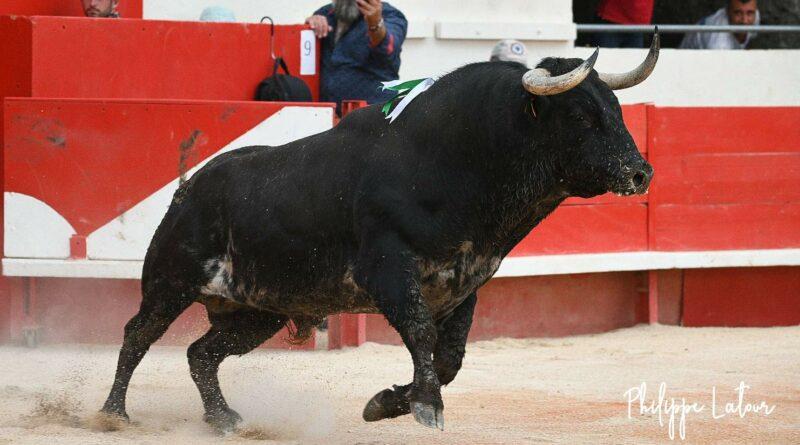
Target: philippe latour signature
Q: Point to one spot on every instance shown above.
(677, 409)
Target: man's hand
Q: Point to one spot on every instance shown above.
(372, 10)
(319, 23)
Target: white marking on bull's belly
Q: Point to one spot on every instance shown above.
(219, 272)
(353, 296)
(446, 274)
(479, 267)
(441, 290)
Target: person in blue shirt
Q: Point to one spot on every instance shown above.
(361, 44)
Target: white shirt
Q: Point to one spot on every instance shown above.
(716, 40)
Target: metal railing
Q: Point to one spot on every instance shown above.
(674, 29)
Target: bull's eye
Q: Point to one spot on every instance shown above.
(582, 121)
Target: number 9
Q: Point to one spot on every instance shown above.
(307, 48)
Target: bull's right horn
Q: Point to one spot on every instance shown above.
(538, 81)
(618, 81)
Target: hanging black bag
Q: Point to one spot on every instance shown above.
(281, 87)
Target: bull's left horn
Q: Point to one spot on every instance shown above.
(539, 81)
(618, 81)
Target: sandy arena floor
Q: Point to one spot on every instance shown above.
(567, 390)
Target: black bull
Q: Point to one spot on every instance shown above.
(407, 219)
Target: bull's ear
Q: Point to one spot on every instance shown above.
(535, 106)
(530, 107)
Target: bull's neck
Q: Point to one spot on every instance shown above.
(520, 185)
(522, 200)
(510, 177)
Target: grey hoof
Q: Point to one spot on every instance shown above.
(428, 415)
(118, 414)
(223, 421)
(386, 405)
(374, 410)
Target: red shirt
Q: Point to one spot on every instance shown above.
(626, 12)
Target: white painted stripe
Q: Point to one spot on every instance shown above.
(630, 261)
(126, 237)
(498, 30)
(34, 229)
(511, 267)
(28, 267)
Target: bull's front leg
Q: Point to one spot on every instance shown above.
(451, 341)
(386, 269)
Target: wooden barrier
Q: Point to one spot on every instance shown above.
(65, 57)
(129, 9)
(729, 178)
(103, 172)
(725, 194)
(57, 57)
(726, 178)
(508, 306)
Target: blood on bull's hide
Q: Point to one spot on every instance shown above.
(407, 219)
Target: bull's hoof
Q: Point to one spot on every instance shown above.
(387, 404)
(108, 420)
(224, 420)
(114, 412)
(428, 415)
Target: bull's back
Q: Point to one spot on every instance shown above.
(278, 218)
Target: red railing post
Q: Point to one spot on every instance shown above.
(346, 330)
(652, 296)
(352, 105)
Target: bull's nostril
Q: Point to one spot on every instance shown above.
(638, 179)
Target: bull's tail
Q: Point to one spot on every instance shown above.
(301, 328)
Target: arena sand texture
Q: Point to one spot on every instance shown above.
(564, 390)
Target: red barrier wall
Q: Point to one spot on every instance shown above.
(89, 58)
(726, 178)
(59, 150)
(132, 147)
(131, 9)
(517, 307)
(5, 310)
(546, 306)
(757, 296)
(96, 310)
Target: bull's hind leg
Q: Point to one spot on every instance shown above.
(154, 317)
(451, 340)
(237, 332)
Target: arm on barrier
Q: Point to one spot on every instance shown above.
(396, 25)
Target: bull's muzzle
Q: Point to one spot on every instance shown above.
(635, 181)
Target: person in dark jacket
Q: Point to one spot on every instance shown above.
(361, 44)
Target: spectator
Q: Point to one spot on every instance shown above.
(738, 12)
(217, 14)
(623, 12)
(100, 8)
(510, 51)
(361, 43)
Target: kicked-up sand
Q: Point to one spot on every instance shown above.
(719, 385)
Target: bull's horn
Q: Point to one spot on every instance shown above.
(618, 81)
(539, 81)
